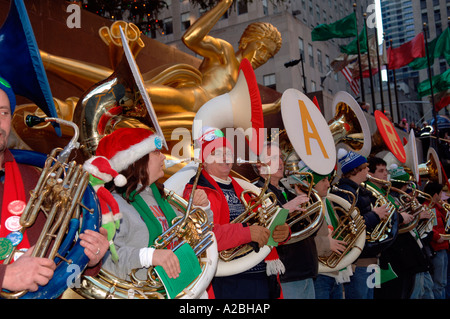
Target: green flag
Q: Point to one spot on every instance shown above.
(441, 83)
(352, 47)
(439, 46)
(344, 28)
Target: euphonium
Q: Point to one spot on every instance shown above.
(259, 210)
(425, 225)
(408, 204)
(382, 230)
(351, 229)
(63, 194)
(311, 218)
(193, 228)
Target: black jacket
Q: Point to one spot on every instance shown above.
(300, 259)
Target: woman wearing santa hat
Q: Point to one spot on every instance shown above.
(135, 154)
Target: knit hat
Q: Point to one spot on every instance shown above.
(100, 167)
(5, 86)
(125, 146)
(211, 139)
(349, 160)
(398, 173)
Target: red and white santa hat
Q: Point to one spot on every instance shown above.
(125, 146)
(99, 167)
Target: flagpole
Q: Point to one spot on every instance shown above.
(430, 77)
(379, 70)
(372, 91)
(395, 91)
(388, 81)
(361, 80)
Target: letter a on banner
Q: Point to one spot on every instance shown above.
(308, 131)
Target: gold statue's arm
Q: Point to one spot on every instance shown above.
(196, 37)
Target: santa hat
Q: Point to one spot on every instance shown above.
(211, 139)
(125, 146)
(350, 160)
(6, 87)
(99, 167)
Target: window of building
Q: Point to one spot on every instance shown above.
(185, 21)
(301, 47)
(313, 86)
(319, 60)
(265, 7)
(168, 26)
(311, 55)
(269, 80)
(242, 7)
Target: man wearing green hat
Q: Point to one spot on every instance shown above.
(327, 285)
(404, 255)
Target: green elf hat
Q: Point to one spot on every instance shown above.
(398, 174)
(304, 178)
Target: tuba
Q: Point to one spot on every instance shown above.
(425, 225)
(351, 229)
(70, 204)
(309, 220)
(387, 228)
(260, 208)
(192, 228)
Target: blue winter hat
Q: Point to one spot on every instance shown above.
(5, 86)
(350, 160)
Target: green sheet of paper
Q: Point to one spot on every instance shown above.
(278, 219)
(190, 269)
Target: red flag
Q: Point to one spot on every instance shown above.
(406, 53)
(316, 102)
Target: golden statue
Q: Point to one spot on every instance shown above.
(177, 92)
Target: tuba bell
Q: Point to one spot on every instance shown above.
(349, 124)
(70, 204)
(431, 169)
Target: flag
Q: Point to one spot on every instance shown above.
(441, 100)
(440, 82)
(422, 63)
(438, 47)
(406, 53)
(352, 47)
(354, 85)
(343, 28)
(354, 66)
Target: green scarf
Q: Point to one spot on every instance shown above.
(330, 212)
(383, 192)
(153, 225)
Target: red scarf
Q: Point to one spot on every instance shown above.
(13, 190)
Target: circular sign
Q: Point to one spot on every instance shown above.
(308, 132)
(390, 136)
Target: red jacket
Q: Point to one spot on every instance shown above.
(439, 228)
(227, 235)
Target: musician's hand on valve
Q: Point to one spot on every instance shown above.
(382, 211)
(200, 198)
(168, 260)
(425, 214)
(295, 203)
(28, 273)
(259, 234)
(407, 218)
(337, 246)
(280, 233)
